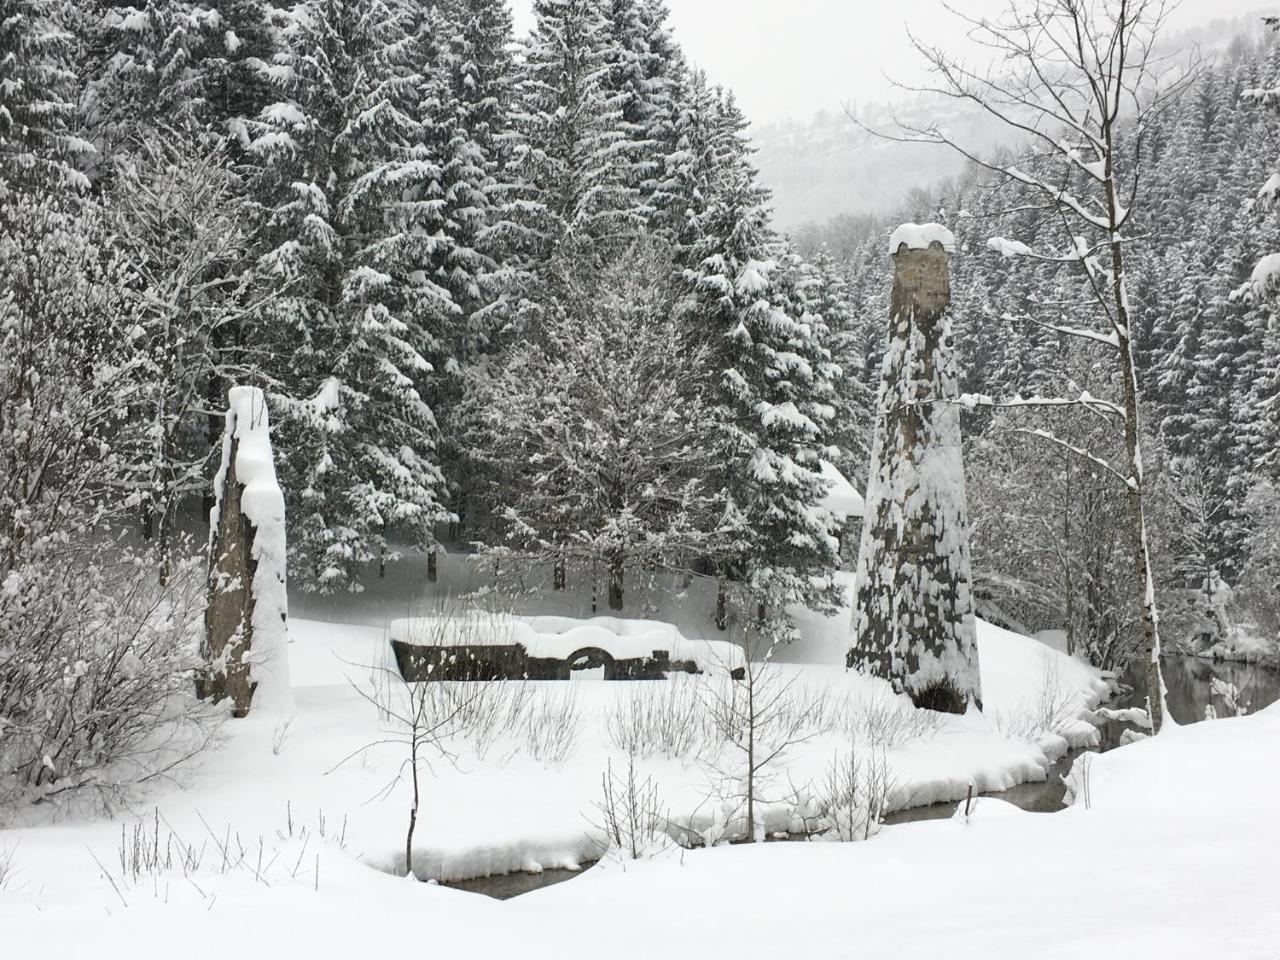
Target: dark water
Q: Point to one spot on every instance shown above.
(1189, 681)
(509, 885)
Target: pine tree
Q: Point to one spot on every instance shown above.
(39, 148)
(140, 73)
(852, 419)
(353, 228)
(572, 127)
(773, 381)
(236, 50)
(643, 67)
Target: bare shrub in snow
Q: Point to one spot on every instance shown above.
(632, 819)
(94, 657)
(857, 793)
(1046, 714)
(8, 867)
(553, 725)
(889, 722)
(485, 713)
(668, 719)
(150, 851)
(413, 721)
(759, 721)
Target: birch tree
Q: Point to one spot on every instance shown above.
(1081, 83)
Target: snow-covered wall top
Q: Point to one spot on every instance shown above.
(919, 236)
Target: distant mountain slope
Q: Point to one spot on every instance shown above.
(826, 166)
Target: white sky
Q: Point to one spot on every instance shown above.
(791, 58)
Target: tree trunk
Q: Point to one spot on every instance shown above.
(617, 570)
(1133, 450)
(433, 571)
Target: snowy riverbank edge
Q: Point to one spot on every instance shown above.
(1134, 868)
(503, 811)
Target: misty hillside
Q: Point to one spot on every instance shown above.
(825, 167)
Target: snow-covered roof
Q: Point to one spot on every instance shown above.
(918, 236)
(842, 497)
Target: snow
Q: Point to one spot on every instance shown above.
(842, 499)
(1008, 248)
(1266, 274)
(1136, 867)
(920, 236)
(561, 637)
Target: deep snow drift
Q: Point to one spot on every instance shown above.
(1172, 856)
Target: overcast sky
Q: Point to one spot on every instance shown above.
(791, 58)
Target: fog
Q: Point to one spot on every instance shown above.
(791, 58)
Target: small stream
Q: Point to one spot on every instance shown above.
(1189, 682)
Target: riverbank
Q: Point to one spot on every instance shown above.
(1165, 828)
(522, 795)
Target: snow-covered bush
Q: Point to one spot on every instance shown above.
(95, 654)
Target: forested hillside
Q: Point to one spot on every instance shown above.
(524, 295)
(1048, 541)
(521, 293)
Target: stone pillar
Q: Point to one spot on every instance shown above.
(247, 607)
(913, 620)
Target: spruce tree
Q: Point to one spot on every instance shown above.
(39, 148)
(773, 384)
(572, 126)
(346, 163)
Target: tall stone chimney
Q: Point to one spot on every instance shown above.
(913, 620)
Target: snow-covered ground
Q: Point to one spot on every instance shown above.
(1168, 852)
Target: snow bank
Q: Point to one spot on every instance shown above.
(1139, 868)
(842, 499)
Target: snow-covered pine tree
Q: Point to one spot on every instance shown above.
(644, 63)
(476, 141)
(685, 183)
(772, 381)
(913, 621)
(346, 163)
(139, 75)
(572, 126)
(39, 148)
(232, 65)
(851, 424)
